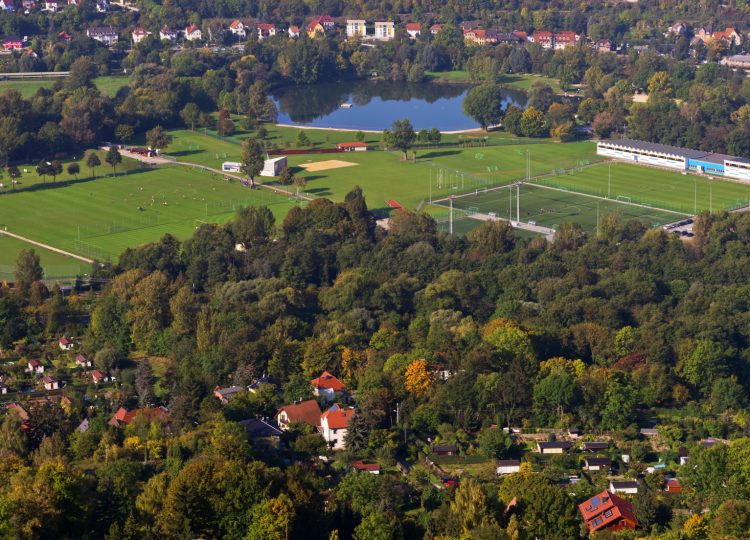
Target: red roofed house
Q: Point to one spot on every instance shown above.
(293, 31)
(334, 423)
(35, 366)
(266, 30)
(414, 29)
(124, 416)
(566, 39)
(365, 466)
(307, 412)
(544, 38)
(50, 383)
(673, 486)
(327, 385)
(13, 43)
(139, 34)
(193, 33)
(608, 511)
(352, 146)
(238, 28)
(22, 414)
(523, 36)
(99, 377)
(65, 344)
(728, 36)
(82, 361)
(435, 28)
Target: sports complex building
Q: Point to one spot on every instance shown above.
(673, 157)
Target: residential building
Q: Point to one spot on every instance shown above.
(741, 61)
(575, 433)
(167, 34)
(414, 30)
(479, 36)
(3, 389)
(554, 447)
(99, 377)
(629, 487)
(13, 43)
(435, 28)
(265, 30)
(82, 361)
(667, 155)
(293, 31)
(50, 383)
(307, 412)
(7, 5)
(103, 34)
(565, 39)
(237, 28)
(509, 38)
(508, 466)
(523, 36)
(594, 446)
(677, 28)
(35, 366)
(603, 46)
(607, 511)
(139, 34)
(225, 394)
(334, 423)
(19, 410)
(673, 486)
(356, 28)
(327, 385)
(124, 416)
(193, 33)
(262, 429)
(728, 36)
(65, 344)
(102, 6)
(64, 36)
(319, 26)
(682, 455)
(544, 38)
(273, 166)
(365, 466)
(597, 464)
(53, 5)
(444, 449)
(384, 30)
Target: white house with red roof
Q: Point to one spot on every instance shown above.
(82, 361)
(139, 34)
(544, 38)
(334, 424)
(50, 383)
(306, 412)
(293, 31)
(167, 34)
(414, 29)
(237, 27)
(435, 28)
(65, 344)
(565, 39)
(99, 377)
(193, 33)
(327, 385)
(265, 30)
(35, 366)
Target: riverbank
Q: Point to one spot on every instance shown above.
(350, 130)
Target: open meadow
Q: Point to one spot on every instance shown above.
(108, 84)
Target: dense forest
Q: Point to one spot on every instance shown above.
(605, 333)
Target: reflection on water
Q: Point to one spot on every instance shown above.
(377, 104)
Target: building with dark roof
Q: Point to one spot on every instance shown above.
(595, 446)
(555, 447)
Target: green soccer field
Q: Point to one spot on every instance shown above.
(100, 218)
(551, 207)
(55, 265)
(657, 187)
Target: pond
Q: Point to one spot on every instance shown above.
(374, 105)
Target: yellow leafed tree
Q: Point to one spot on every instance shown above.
(417, 379)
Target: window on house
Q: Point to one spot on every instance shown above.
(608, 514)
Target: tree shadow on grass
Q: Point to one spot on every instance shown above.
(185, 153)
(321, 192)
(74, 181)
(441, 153)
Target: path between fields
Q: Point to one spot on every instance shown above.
(165, 161)
(47, 246)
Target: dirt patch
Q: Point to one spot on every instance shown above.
(326, 165)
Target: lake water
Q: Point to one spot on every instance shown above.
(376, 104)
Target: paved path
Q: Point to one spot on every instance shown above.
(546, 231)
(46, 246)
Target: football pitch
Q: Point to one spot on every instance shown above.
(100, 218)
(549, 207)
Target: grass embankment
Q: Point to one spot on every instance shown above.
(517, 81)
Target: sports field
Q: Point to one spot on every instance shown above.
(100, 218)
(551, 207)
(108, 85)
(55, 265)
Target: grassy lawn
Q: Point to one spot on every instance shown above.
(519, 81)
(108, 85)
(113, 213)
(55, 265)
